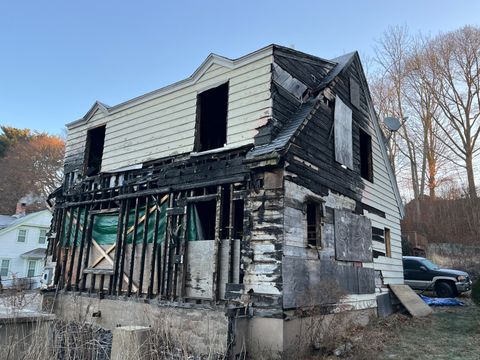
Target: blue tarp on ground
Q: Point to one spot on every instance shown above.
(441, 301)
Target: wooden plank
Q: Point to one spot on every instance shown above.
(201, 260)
(412, 302)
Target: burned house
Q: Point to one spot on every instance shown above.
(246, 186)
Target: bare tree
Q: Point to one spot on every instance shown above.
(453, 61)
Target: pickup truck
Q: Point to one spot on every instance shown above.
(421, 274)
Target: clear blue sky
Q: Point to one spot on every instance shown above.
(58, 57)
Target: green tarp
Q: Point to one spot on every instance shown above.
(105, 227)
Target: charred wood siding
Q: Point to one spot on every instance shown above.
(320, 172)
(262, 252)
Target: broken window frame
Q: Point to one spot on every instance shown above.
(200, 143)
(88, 155)
(315, 241)
(366, 155)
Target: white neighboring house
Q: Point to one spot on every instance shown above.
(23, 243)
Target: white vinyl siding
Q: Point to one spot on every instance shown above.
(164, 125)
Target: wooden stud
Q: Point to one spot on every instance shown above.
(65, 251)
(167, 251)
(124, 246)
(82, 244)
(144, 247)
(118, 247)
(73, 248)
(87, 250)
(134, 245)
(218, 232)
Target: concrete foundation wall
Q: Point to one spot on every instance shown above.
(200, 330)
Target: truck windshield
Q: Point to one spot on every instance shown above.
(430, 265)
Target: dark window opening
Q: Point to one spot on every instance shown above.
(211, 127)
(206, 213)
(366, 161)
(314, 219)
(377, 254)
(94, 150)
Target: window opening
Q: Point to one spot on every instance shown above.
(5, 267)
(94, 150)
(211, 127)
(366, 162)
(314, 217)
(32, 264)
(22, 235)
(42, 238)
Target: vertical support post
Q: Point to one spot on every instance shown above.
(153, 259)
(231, 232)
(58, 237)
(118, 249)
(218, 232)
(82, 245)
(121, 270)
(87, 251)
(134, 245)
(168, 250)
(65, 251)
(73, 248)
(144, 246)
(183, 254)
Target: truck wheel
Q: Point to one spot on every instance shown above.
(444, 289)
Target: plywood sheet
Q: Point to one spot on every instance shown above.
(343, 133)
(353, 237)
(201, 264)
(412, 302)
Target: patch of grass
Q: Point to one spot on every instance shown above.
(450, 334)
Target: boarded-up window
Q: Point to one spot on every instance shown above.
(366, 161)
(354, 93)
(388, 243)
(94, 150)
(211, 126)
(353, 237)
(343, 133)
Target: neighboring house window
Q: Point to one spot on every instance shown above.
(4, 267)
(314, 224)
(388, 243)
(42, 238)
(366, 160)
(32, 266)
(22, 235)
(211, 124)
(94, 150)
